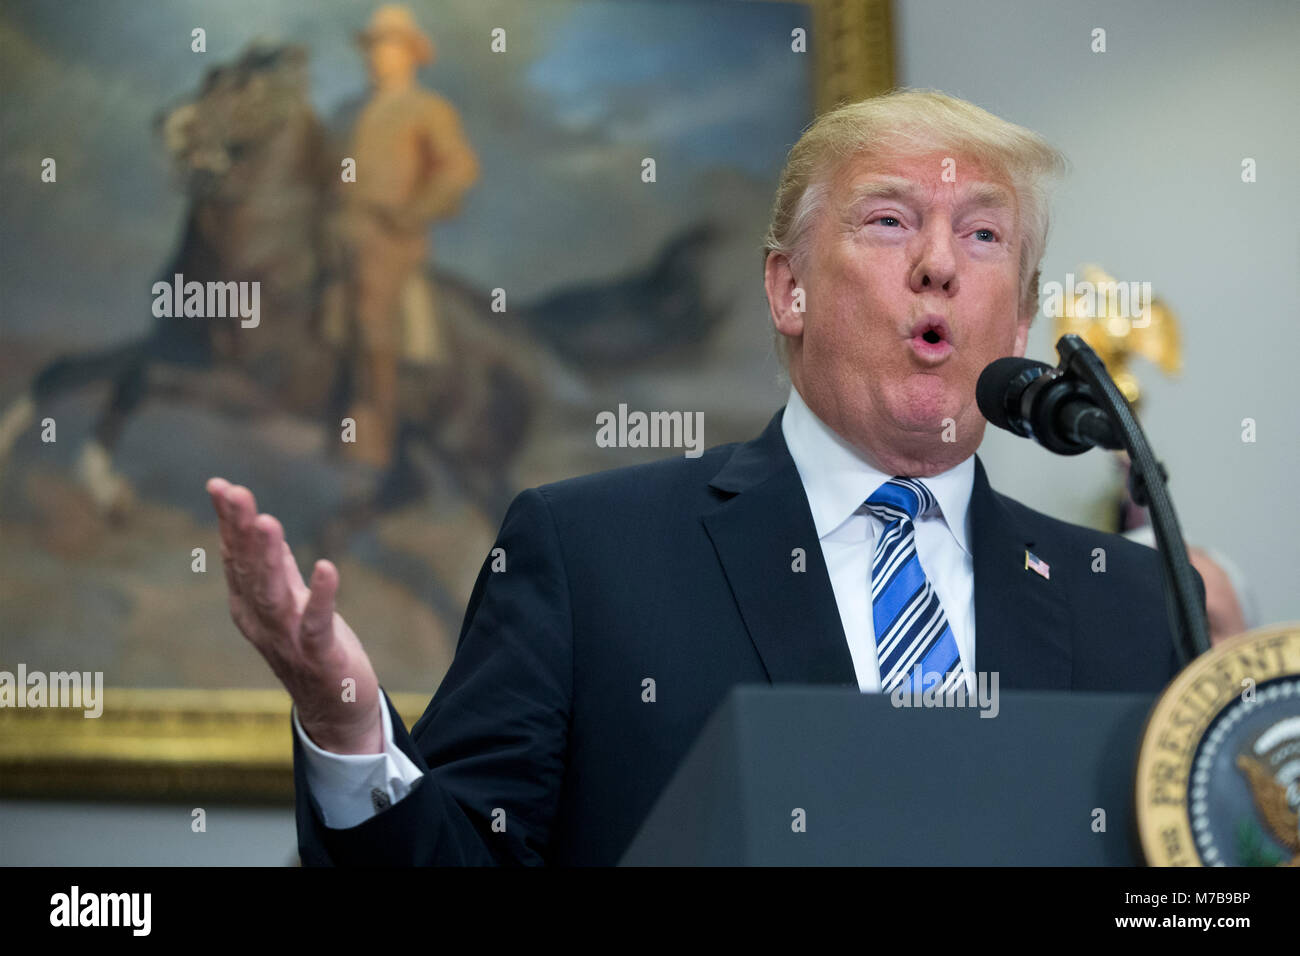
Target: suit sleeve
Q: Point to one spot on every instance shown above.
(493, 742)
(351, 788)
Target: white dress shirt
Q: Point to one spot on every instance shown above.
(351, 788)
(345, 785)
(837, 482)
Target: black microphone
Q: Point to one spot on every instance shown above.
(1075, 407)
(1034, 400)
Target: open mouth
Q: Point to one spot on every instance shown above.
(930, 338)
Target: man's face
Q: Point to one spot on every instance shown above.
(911, 288)
(389, 57)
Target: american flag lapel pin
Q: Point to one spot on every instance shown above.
(1034, 563)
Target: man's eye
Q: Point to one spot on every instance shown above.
(887, 220)
(985, 235)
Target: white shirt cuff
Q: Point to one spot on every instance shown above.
(351, 788)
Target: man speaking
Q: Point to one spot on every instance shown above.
(856, 541)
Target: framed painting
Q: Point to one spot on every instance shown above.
(195, 285)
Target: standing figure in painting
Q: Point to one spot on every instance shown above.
(413, 166)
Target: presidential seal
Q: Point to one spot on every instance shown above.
(1218, 774)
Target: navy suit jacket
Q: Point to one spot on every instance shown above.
(681, 572)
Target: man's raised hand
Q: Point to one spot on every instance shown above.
(309, 646)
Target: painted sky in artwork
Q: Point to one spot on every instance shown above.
(561, 123)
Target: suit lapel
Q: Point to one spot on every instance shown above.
(1022, 620)
(791, 615)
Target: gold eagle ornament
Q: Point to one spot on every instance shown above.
(1119, 320)
(1270, 800)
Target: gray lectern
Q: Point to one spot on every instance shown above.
(875, 784)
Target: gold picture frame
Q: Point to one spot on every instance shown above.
(853, 50)
(162, 745)
(236, 745)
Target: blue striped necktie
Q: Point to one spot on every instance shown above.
(909, 622)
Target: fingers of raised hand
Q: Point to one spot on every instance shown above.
(217, 488)
(245, 550)
(316, 628)
(253, 553)
(296, 583)
(270, 577)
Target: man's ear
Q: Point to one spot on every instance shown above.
(1028, 309)
(784, 297)
(1022, 334)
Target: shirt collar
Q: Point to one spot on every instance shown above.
(837, 479)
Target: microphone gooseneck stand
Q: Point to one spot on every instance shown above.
(1147, 486)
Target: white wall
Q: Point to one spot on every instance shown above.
(1155, 129)
(58, 833)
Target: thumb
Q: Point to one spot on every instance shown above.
(316, 628)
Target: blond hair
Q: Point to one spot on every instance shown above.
(914, 122)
